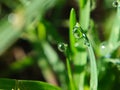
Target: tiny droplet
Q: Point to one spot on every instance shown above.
(87, 43)
(86, 40)
(77, 32)
(62, 47)
(115, 3)
(103, 48)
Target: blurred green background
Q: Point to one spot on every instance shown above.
(31, 29)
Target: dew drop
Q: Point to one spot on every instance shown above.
(103, 48)
(87, 43)
(62, 47)
(77, 32)
(86, 40)
(115, 3)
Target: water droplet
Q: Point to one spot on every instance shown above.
(87, 43)
(62, 47)
(77, 32)
(116, 3)
(103, 48)
(86, 40)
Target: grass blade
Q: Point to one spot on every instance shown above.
(93, 69)
(12, 84)
(72, 24)
(84, 13)
(115, 33)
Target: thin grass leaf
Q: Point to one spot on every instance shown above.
(115, 33)
(56, 64)
(11, 84)
(93, 69)
(72, 84)
(84, 13)
(84, 17)
(72, 24)
(72, 87)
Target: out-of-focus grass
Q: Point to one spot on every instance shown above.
(21, 16)
(28, 20)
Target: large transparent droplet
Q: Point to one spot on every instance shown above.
(116, 3)
(103, 46)
(62, 47)
(104, 49)
(77, 32)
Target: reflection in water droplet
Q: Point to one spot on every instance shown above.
(116, 3)
(77, 32)
(62, 47)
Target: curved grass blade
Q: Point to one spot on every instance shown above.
(12, 84)
(93, 69)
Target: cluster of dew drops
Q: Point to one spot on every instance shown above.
(77, 33)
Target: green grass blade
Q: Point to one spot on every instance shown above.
(55, 62)
(11, 84)
(93, 69)
(72, 87)
(72, 24)
(84, 13)
(35, 85)
(115, 33)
